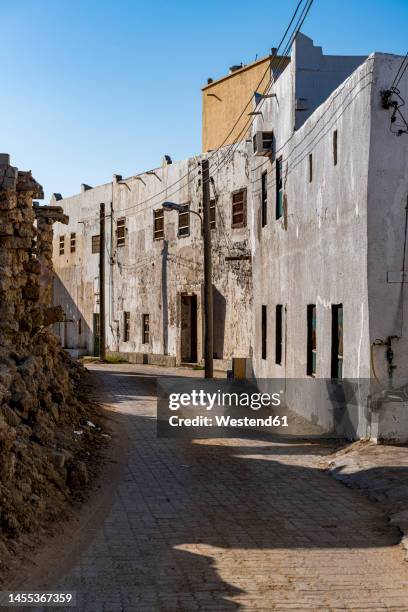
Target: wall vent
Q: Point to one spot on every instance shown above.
(263, 144)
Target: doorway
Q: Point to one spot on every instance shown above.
(96, 334)
(189, 329)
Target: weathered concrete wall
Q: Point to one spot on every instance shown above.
(387, 209)
(317, 75)
(148, 276)
(338, 236)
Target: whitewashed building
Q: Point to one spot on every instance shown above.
(309, 242)
(329, 237)
(154, 265)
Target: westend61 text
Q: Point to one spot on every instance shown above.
(228, 421)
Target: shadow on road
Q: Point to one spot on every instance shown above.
(188, 514)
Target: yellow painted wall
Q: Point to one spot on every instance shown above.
(224, 100)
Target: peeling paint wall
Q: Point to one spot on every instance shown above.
(148, 276)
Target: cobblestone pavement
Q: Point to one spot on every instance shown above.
(230, 524)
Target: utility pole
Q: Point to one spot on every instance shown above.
(208, 290)
(102, 328)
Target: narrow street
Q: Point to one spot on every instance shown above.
(230, 524)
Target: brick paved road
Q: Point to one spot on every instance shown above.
(231, 525)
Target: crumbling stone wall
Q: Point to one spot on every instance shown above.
(38, 382)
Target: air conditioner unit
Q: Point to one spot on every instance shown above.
(263, 144)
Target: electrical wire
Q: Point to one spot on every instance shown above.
(273, 56)
(234, 125)
(248, 124)
(235, 145)
(404, 61)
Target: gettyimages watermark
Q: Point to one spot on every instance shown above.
(232, 408)
(213, 401)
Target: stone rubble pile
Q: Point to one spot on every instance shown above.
(39, 409)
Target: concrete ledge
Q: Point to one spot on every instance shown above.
(145, 358)
(221, 365)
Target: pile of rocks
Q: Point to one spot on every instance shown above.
(41, 459)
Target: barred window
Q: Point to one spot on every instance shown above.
(158, 224)
(184, 221)
(61, 245)
(239, 208)
(121, 232)
(145, 328)
(96, 243)
(73, 243)
(126, 326)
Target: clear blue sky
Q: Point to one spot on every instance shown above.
(93, 87)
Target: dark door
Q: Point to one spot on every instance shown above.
(96, 334)
(189, 328)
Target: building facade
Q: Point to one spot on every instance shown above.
(309, 243)
(224, 99)
(154, 265)
(330, 206)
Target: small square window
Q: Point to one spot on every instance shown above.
(158, 224)
(184, 221)
(96, 243)
(212, 214)
(145, 328)
(73, 242)
(121, 232)
(61, 245)
(126, 326)
(239, 209)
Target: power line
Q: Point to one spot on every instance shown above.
(224, 159)
(304, 143)
(306, 8)
(404, 61)
(273, 56)
(249, 122)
